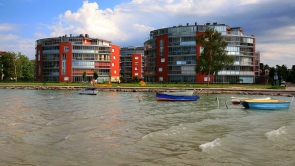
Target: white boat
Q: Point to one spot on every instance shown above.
(180, 93)
(88, 91)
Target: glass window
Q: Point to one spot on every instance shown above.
(63, 56)
(66, 48)
(160, 69)
(162, 59)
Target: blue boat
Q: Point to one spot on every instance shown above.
(88, 91)
(166, 97)
(266, 104)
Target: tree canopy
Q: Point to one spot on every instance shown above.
(95, 75)
(213, 56)
(16, 67)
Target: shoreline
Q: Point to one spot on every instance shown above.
(272, 92)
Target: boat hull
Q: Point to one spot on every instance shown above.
(266, 104)
(270, 106)
(165, 97)
(89, 91)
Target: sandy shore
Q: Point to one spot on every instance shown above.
(272, 92)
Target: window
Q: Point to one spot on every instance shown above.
(162, 59)
(160, 78)
(160, 69)
(113, 64)
(136, 63)
(63, 71)
(114, 57)
(135, 68)
(136, 57)
(64, 56)
(113, 50)
(38, 55)
(115, 71)
(67, 49)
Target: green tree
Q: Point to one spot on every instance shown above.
(135, 79)
(95, 75)
(214, 56)
(282, 72)
(26, 68)
(84, 76)
(8, 65)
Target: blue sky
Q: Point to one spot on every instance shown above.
(128, 22)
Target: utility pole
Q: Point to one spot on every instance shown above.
(15, 70)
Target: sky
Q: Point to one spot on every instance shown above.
(129, 22)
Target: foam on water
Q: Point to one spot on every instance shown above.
(275, 133)
(67, 136)
(210, 145)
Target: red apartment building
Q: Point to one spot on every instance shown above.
(66, 58)
(132, 62)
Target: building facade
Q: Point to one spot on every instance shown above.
(131, 62)
(170, 55)
(66, 58)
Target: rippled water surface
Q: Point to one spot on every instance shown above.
(39, 127)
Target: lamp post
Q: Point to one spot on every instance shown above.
(15, 70)
(276, 78)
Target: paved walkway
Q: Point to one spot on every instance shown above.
(290, 86)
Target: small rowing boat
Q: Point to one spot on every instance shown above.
(266, 104)
(236, 100)
(165, 97)
(88, 91)
(180, 93)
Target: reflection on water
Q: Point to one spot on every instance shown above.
(126, 128)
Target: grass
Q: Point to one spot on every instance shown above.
(156, 85)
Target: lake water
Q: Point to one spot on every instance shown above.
(47, 127)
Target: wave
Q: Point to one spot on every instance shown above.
(276, 133)
(210, 145)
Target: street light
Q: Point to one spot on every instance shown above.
(15, 70)
(276, 78)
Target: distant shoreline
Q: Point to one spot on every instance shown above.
(272, 92)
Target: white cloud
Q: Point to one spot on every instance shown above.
(248, 2)
(8, 27)
(142, 28)
(127, 21)
(16, 44)
(40, 35)
(8, 38)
